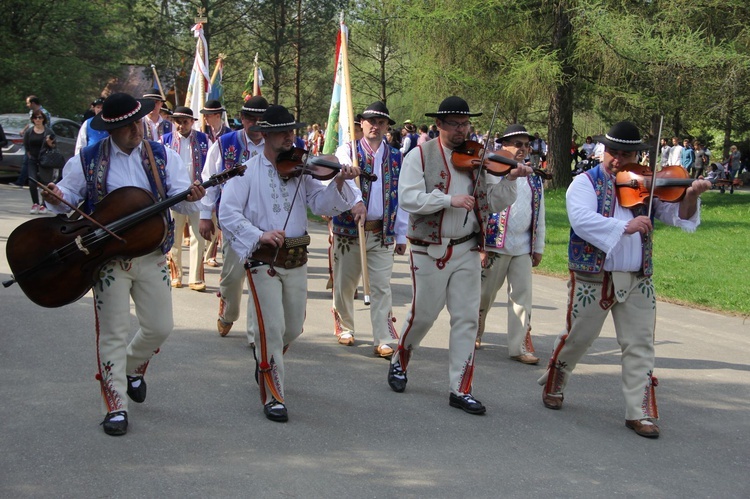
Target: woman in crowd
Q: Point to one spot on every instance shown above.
(35, 139)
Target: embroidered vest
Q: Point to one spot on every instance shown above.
(95, 164)
(233, 153)
(198, 150)
(584, 256)
(94, 136)
(427, 229)
(413, 138)
(344, 225)
(497, 223)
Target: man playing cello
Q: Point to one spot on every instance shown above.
(125, 159)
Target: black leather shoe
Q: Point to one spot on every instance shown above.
(276, 411)
(396, 377)
(117, 427)
(467, 402)
(136, 394)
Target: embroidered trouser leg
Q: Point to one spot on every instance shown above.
(197, 247)
(146, 281)
(347, 270)
(230, 288)
(456, 285)
(278, 304)
(517, 269)
(634, 319)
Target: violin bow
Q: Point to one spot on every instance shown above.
(653, 174)
(77, 210)
(484, 156)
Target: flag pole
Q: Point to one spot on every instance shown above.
(213, 82)
(158, 82)
(256, 83)
(355, 161)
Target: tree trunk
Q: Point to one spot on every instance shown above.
(560, 118)
(298, 65)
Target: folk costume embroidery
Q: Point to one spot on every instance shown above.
(95, 164)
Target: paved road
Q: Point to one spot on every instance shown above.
(202, 433)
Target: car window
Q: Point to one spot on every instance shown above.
(65, 129)
(13, 123)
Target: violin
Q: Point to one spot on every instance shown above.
(57, 260)
(296, 161)
(634, 183)
(499, 163)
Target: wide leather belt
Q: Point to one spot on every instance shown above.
(292, 255)
(452, 242)
(374, 225)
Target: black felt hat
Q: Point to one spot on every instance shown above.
(183, 112)
(453, 105)
(623, 136)
(277, 119)
(119, 110)
(212, 106)
(516, 130)
(154, 94)
(255, 106)
(377, 110)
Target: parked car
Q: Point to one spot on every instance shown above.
(10, 165)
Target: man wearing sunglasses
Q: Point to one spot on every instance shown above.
(609, 257)
(514, 243)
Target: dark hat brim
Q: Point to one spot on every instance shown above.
(213, 111)
(99, 123)
(442, 115)
(277, 128)
(517, 134)
(366, 115)
(618, 145)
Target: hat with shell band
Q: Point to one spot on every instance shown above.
(516, 130)
(183, 112)
(154, 94)
(277, 119)
(452, 105)
(119, 110)
(377, 110)
(255, 106)
(623, 136)
(212, 106)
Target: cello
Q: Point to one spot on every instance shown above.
(57, 260)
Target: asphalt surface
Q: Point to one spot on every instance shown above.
(202, 433)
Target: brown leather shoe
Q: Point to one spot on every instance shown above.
(384, 351)
(553, 401)
(198, 286)
(347, 341)
(223, 327)
(526, 358)
(643, 427)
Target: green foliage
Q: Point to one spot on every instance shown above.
(62, 51)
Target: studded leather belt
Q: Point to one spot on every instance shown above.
(292, 255)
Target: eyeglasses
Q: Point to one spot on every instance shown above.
(520, 144)
(454, 124)
(37, 118)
